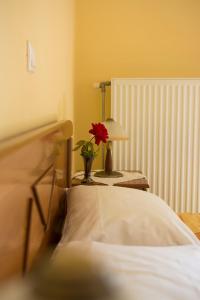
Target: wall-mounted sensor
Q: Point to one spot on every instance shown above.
(31, 61)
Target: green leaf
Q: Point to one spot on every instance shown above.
(76, 148)
(79, 144)
(87, 154)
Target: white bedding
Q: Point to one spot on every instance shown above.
(150, 253)
(157, 273)
(123, 216)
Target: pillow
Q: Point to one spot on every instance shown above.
(123, 216)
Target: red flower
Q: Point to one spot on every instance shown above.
(100, 133)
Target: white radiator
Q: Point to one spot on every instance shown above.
(162, 120)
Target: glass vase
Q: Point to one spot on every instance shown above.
(87, 169)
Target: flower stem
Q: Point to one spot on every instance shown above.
(91, 139)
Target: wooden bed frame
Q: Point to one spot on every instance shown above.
(35, 169)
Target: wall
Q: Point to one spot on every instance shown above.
(31, 99)
(131, 38)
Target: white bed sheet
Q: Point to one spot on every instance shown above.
(157, 273)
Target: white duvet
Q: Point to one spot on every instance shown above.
(157, 273)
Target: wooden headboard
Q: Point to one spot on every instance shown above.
(35, 169)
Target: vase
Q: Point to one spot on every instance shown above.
(87, 169)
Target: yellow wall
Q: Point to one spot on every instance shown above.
(28, 100)
(131, 38)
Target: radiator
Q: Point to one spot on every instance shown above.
(162, 120)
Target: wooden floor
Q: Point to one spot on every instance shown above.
(192, 220)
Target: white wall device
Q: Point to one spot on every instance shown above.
(31, 60)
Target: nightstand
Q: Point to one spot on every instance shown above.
(134, 180)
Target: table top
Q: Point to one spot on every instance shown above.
(134, 179)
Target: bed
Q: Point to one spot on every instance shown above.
(138, 244)
(149, 251)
